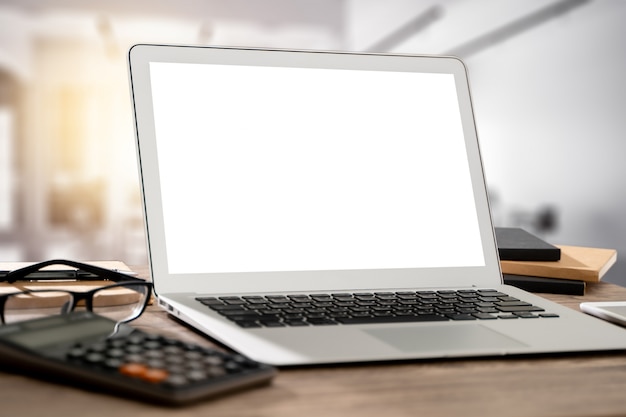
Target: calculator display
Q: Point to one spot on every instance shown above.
(35, 337)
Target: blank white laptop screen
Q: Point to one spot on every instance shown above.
(293, 169)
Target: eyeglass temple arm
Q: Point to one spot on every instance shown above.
(21, 273)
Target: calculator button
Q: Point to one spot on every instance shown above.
(193, 355)
(242, 360)
(213, 360)
(154, 354)
(98, 347)
(137, 370)
(172, 350)
(215, 371)
(154, 375)
(113, 363)
(196, 375)
(95, 358)
(135, 358)
(176, 380)
(115, 353)
(152, 336)
(134, 349)
(76, 353)
(232, 366)
(133, 369)
(193, 365)
(176, 369)
(175, 360)
(157, 363)
(116, 343)
(152, 344)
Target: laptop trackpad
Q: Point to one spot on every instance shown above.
(424, 338)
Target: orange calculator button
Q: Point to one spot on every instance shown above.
(155, 375)
(135, 370)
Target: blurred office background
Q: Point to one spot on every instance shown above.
(548, 81)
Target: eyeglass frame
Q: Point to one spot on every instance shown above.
(99, 272)
(120, 279)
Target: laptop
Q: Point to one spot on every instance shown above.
(307, 207)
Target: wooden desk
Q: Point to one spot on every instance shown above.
(568, 385)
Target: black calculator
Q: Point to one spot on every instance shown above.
(88, 349)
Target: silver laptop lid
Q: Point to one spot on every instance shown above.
(274, 170)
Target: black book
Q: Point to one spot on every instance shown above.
(516, 244)
(546, 285)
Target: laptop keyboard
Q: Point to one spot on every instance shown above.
(370, 308)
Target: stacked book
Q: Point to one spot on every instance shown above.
(532, 264)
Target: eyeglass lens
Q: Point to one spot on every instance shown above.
(33, 305)
(118, 303)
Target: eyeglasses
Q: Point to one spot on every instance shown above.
(121, 302)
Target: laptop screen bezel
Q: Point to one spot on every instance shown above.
(140, 57)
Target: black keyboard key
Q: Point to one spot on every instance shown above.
(235, 302)
(278, 305)
(293, 310)
(344, 303)
(210, 301)
(507, 298)
(322, 304)
(526, 315)
(461, 317)
(257, 301)
(321, 321)
(361, 314)
(304, 305)
(404, 313)
(485, 316)
(467, 310)
(515, 309)
(316, 316)
(239, 312)
(272, 323)
(512, 303)
(248, 324)
(427, 295)
(277, 298)
(492, 293)
(296, 323)
(299, 298)
(484, 304)
(224, 307)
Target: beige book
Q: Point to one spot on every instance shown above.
(579, 263)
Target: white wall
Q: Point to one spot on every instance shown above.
(550, 106)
